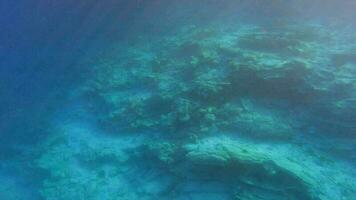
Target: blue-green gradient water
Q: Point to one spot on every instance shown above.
(178, 100)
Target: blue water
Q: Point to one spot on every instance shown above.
(150, 100)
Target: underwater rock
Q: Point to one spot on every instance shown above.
(263, 124)
(82, 165)
(185, 85)
(163, 151)
(265, 172)
(219, 166)
(184, 93)
(270, 42)
(280, 79)
(343, 58)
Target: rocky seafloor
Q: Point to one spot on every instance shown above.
(233, 112)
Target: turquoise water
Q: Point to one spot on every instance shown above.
(178, 100)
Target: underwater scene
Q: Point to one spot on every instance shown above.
(178, 100)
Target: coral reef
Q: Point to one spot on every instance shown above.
(216, 113)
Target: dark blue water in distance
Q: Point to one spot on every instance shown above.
(178, 100)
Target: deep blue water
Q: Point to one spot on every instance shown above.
(50, 50)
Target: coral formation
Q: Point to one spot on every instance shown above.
(212, 113)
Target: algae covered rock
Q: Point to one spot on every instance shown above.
(163, 151)
(272, 171)
(209, 72)
(265, 124)
(81, 165)
(215, 113)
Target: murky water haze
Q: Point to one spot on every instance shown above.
(50, 49)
